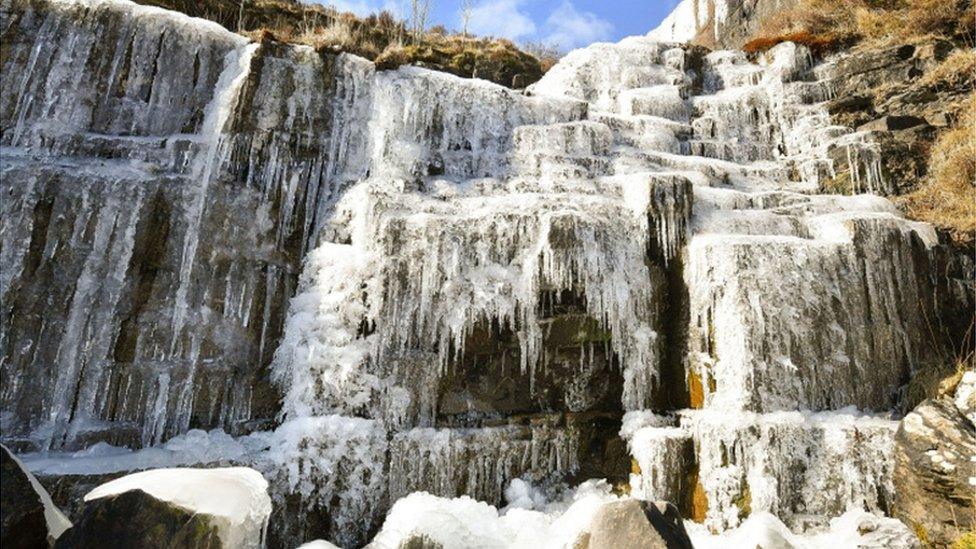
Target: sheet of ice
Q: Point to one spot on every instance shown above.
(462, 523)
(195, 447)
(237, 498)
(852, 529)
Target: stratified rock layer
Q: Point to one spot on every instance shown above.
(934, 467)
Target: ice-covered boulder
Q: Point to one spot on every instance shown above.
(212, 508)
(28, 517)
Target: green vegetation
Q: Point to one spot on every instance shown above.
(380, 37)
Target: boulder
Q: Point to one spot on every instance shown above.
(635, 524)
(28, 518)
(136, 519)
(200, 508)
(891, 123)
(934, 448)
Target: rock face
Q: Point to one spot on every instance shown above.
(28, 517)
(934, 468)
(492, 284)
(720, 24)
(635, 524)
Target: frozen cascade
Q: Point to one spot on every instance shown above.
(403, 281)
(123, 193)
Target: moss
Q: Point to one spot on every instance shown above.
(744, 502)
(839, 184)
(965, 541)
(921, 533)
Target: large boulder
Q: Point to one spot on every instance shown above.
(136, 519)
(635, 524)
(934, 450)
(28, 517)
(200, 508)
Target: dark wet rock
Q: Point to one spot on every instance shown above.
(28, 517)
(22, 523)
(136, 519)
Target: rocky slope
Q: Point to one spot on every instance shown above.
(383, 282)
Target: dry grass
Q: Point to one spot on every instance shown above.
(827, 25)
(956, 72)
(947, 198)
(819, 44)
(379, 37)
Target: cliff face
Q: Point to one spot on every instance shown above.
(392, 281)
(161, 184)
(720, 24)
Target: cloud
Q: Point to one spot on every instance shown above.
(359, 7)
(501, 18)
(568, 28)
(365, 7)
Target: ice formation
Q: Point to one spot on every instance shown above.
(452, 285)
(236, 498)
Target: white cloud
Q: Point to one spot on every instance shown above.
(568, 28)
(501, 18)
(365, 7)
(358, 7)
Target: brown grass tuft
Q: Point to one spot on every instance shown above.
(826, 25)
(947, 198)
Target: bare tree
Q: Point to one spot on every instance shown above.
(240, 17)
(419, 12)
(467, 7)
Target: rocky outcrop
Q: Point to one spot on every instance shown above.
(635, 524)
(883, 92)
(934, 468)
(718, 24)
(28, 517)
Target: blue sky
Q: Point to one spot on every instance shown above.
(568, 23)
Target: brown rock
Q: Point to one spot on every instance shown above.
(635, 524)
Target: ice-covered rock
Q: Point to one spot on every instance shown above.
(450, 285)
(192, 507)
(29, 518)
